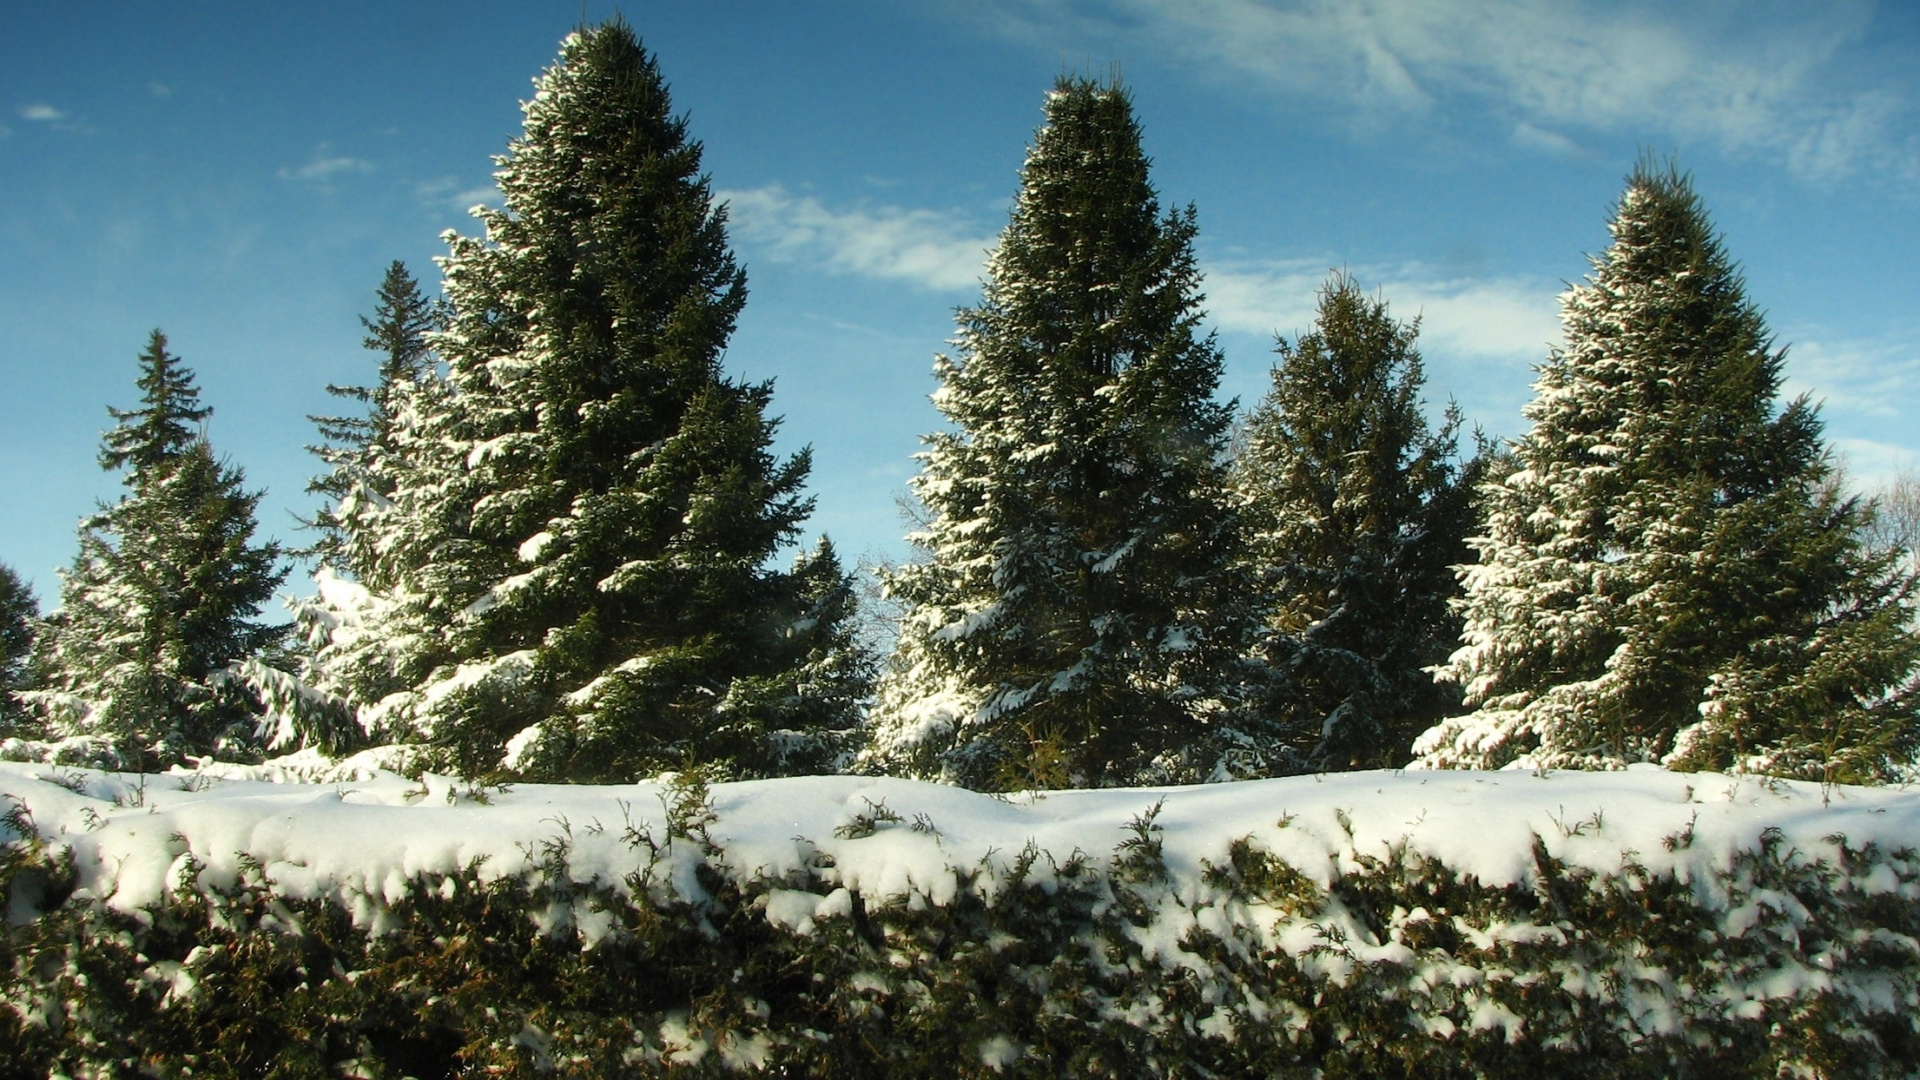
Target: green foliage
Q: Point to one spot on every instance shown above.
(1081, 593)
(1668, 573)
(377, 632)
(149, 439)
(569, 577)
(1776, 963)
(1357, 515)
(19, 626)
(619, 499)
(165, 593)
(366, 454)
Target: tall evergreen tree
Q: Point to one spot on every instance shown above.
(363, 452)
(164, 596)
(1078, 617)
(19, 626)
(1668, 575)
(376, 627)
(1357, 513)
(587, 545)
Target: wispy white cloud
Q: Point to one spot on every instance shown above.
(1501, 319)
(941, 251)
(1506, 319)
(159, 89)
(1263, 297)
(1539, 138)
(1754, 78)
(324, 167)
(449, 192)
(1871, 464)
(1877, 380)
(42, 113)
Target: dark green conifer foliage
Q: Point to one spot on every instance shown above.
(157, 433)
(19, 626)
(605, 562)
(165, 593)
(375, 629)
(360, 451)
(1357, 513)
(1668, 575)
(1079, 618)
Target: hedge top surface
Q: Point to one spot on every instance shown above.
(360, 835)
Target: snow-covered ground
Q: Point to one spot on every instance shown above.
(361, 835)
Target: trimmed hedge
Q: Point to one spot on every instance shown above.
(1785, 964)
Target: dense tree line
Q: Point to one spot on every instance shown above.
(549, 527)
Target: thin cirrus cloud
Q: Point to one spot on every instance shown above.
(1762, 80)
(1871, 465)
(1493, 319)
(934, 250)
(1878, 380)
(324, 167)
(42, 113)
(448, 192)
(1496, 319)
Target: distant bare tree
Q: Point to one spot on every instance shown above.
(1895, 523)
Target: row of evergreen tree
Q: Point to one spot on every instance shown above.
(547, 541)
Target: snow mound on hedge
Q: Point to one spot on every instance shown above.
(362, 837)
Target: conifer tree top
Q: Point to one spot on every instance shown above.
(620, 255)
(398, 330)
(1087, 265)
(165, 425)
(1663, 328)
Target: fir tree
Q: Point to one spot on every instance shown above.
(162, 599)
(376, 628)
(153, 437)
(1078, 617)
(362, 452)
(584, 545)
(19, 622)
(1357, 514)
(1668, 575)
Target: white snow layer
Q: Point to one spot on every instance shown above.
(359, 836)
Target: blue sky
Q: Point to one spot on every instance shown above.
(240, 174)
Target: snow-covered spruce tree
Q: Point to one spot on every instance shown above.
(1079, 616)
(19, 626)
(597, 558)
(165, 593)
(1357, 513)
(362, 452)
(371, 632)
(1667, 575)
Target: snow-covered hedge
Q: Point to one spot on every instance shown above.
(1640, 923)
